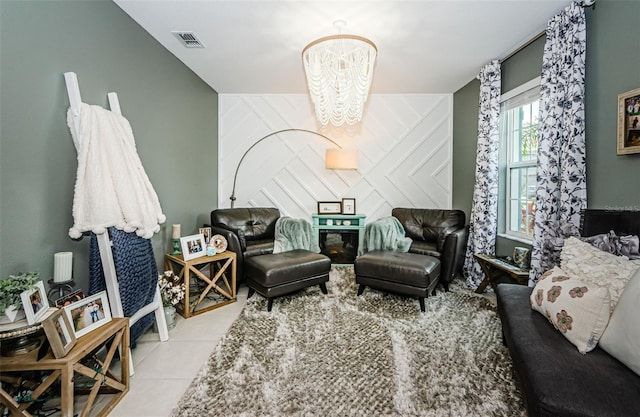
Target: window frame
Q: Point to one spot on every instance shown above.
(510, 164)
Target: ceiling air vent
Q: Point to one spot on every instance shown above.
(188, 39)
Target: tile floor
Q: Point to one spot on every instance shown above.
(164, 370)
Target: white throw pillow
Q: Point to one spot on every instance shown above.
(579, 310)
(621, 338)
(589, 264)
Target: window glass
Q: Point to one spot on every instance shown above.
(519, 121)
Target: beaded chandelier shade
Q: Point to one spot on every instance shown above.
(339, 70)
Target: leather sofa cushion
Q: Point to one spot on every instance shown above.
(281, 268)
(249, 223)
(430, 225)
(403, 268)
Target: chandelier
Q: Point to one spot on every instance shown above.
(339, 69)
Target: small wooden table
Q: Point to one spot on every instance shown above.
(220, 266)
(65, 369)
(494, 267)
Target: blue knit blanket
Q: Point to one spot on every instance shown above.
(137, 275)
(386, 233)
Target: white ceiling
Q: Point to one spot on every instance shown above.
(424, 46)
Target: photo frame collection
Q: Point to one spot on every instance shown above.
(74, 316)
(346, 206)
(193, 246)
(629, 122)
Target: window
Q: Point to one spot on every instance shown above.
(519, 117)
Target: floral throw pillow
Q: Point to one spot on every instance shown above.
(589, 264)
(579, 310)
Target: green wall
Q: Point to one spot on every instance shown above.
(613, 62)
(173, 114)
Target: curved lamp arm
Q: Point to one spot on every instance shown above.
(235, 176)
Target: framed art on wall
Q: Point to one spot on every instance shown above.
(89, 313)
(35, 303)
(329, 207)
(59, 331)
(348, 206)
(193, 246)
(629, 122)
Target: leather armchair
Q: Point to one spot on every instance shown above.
(249, 232)
(438, 233)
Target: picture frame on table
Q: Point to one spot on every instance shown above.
(35, 303)
(193, 246)
(349, 206)
(89, 313)
(70, 298)
(629, 122)
(329, 207)
(206, 232)
(60, 334)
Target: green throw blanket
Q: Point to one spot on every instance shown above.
(294, 234)
(385, 233)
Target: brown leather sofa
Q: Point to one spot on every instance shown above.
(439, 233)
(250, 231)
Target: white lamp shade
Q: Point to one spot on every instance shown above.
(341, 159)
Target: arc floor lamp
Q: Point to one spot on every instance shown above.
(337, 159)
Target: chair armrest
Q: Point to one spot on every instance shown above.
(233, 243)
(452, 254)
(239, 235)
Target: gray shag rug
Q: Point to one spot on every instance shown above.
(373, 355)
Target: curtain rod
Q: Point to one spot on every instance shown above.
(583, 4)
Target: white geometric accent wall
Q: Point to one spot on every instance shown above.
(404, 145)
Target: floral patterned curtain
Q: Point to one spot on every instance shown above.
(561, 172)
(483, 222)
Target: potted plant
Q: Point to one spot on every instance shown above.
(10, 290)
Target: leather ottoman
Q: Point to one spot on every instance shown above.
(278, 274)
(409, 274)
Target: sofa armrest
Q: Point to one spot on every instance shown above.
(452, 253)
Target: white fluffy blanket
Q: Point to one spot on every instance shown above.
(112, 188)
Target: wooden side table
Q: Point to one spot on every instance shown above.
(65, 369)
(221, 265)
(494, 267)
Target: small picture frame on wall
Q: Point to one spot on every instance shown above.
(348, 206)
(329, 207)
(193, 246)
(629, 122)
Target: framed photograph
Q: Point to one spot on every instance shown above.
(77, 295)
(629, 122)
(329, 207)
(35, 303)
(60, 334)
(193, 246)
(206, 232)
(348, 206)
(89, 313)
